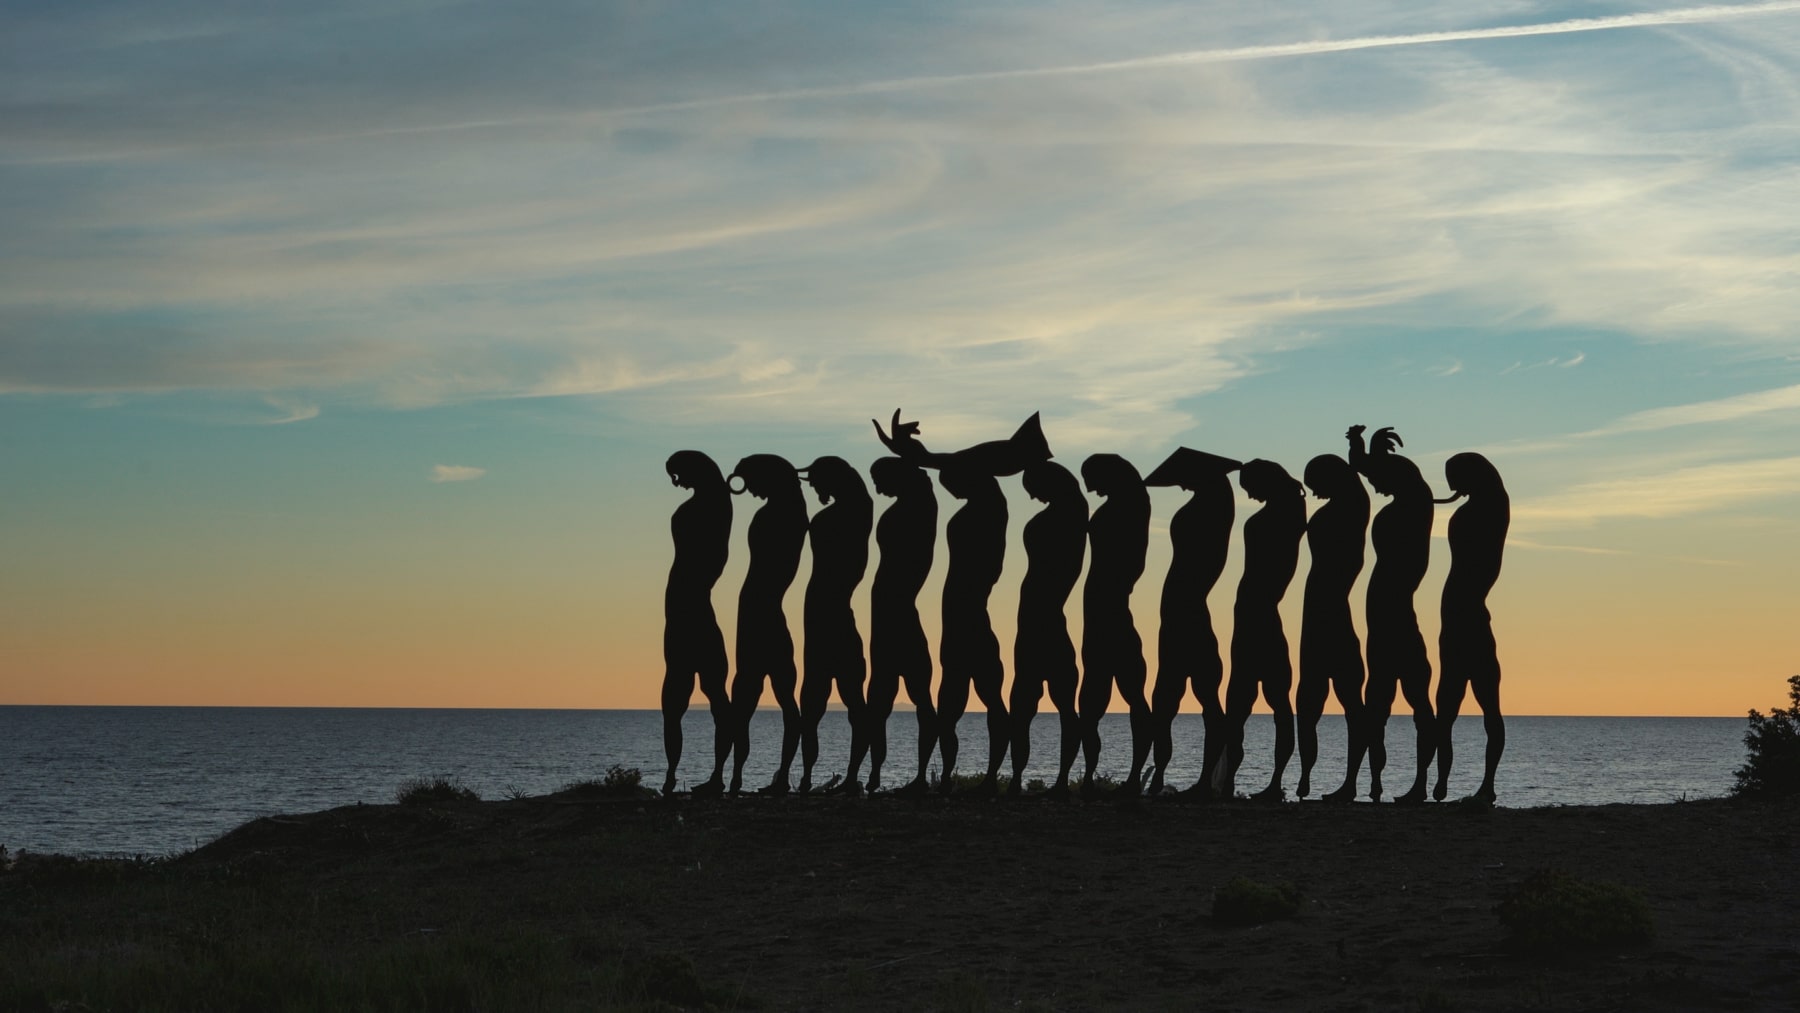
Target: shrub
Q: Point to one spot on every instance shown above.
(619, 782)
(1553, 910)
(1242, 901)
(427, 790)
(1772, 768)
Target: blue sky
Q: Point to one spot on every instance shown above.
(264, 275)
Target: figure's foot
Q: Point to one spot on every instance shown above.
(1485, 793)
(1438, 793)
(1273, 793)
(714, 786)
(1375, 788)
(1414, 797)
(1058, 791)
(669, 784)
(777, 787)
(1305, 787)
(1345, 794)
(1156, 783)
(805, 784)
(915, 788)
(987, 788)
(1130, 789)
(1013, 787)
(737, 785)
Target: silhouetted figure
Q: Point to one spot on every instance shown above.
(1330, 651)
(1401, 535)
(1259, 646)
(969, 652)
(692, 643)
(1111, 650)
(765, 648)
(1187, 648)
(834, 647)
(1055, 543)
(1467, 653)
(1010, 456)
(907, 536)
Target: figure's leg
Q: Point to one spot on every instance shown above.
(1309, 702)
(1415, 686)
(953, 700)
(918, 689)
(1213, 723)
(990, 689)
(1240, 697)
(1278, 678)
(1063, 680)
(1143, 727)
(850, 691)
(1165, 703)
(746, 693)
(1453, 682)
(1486, 683)
(1096, 694)
(884, 685)
(815, 694)
(782, 681)
(712, 684)
(1027, 690)
(1346, 684)
(676, 688)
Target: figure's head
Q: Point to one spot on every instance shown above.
(1470, 474)
(1393, 475)
(1106, 474)
(1189, 469)
(1048, 482)
(1267, 482)
(967, 483)
(691, 469)
(1328, 474)
(765, 476)
(833, 478)
(896, 477)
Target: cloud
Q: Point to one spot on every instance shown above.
(455, 473)
(1726, 409)
(292, 411)
(1676, 493)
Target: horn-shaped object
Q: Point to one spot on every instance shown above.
(1026, 447)
(1187, 464)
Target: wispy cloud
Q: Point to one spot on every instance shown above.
(292, 410)
(1670, 494)
(455, 473)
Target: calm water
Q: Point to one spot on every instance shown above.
(83, 780)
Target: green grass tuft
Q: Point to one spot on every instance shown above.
(619, 782)
(1552, 910)
(432, 790)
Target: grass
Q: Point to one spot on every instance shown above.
(1244, 901)
(619, 782)
(433, 790)
(1553, 911)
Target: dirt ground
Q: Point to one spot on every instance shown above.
(839, 903)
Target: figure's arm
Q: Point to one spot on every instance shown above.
(902, 440)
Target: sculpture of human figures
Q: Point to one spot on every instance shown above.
(1043, 654)
(1111, 650)
(1330, 652)
(898, 650)
(1187, 647)
(839, 534)
(1467, 654)
(969, 652)
(1401, 535)
(1259, 646)
(692, 644)
(765, 648)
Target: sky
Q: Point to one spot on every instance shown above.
(342, 344)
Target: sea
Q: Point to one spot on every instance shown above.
(162, 780)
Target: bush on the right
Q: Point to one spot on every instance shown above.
(1552, 910)
(1772, 768)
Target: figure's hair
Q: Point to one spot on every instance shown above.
(899, 472)
(1106, 468)
(1054, 481)
(1269, 476)
(833, 477)
(1472, 474)
(701, 470)
(1330, 473)
(767, 470)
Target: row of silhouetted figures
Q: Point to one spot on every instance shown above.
(1113, 539)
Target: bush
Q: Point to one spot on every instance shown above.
(1772, 769)
(619, 782)
(427, 790)
(1553, 910)
(1242, 901)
